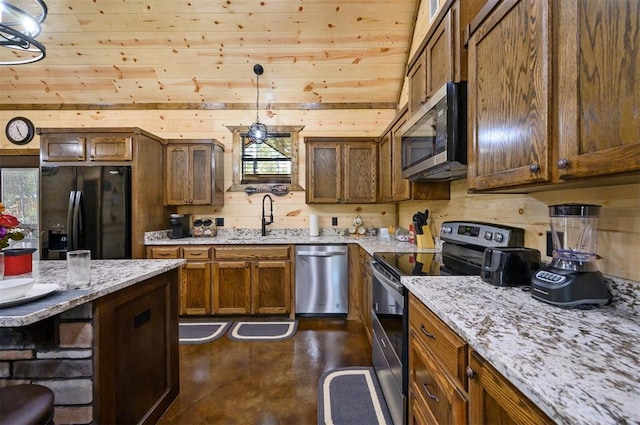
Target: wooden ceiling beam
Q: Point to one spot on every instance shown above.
(195, 106)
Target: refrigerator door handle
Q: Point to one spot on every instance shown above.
(70, 220)
(77, 220)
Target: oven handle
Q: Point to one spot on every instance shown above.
(385, 281)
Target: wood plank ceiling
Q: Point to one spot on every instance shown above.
(200, 54)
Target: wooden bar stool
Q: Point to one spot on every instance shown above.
(26, 404)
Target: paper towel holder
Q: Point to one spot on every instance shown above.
(314, 230)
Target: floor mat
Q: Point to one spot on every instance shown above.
(262, 331)
(351, 396)
(201, 332)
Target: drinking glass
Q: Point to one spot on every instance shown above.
(78, 269)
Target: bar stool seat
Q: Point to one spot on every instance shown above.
(26, 404)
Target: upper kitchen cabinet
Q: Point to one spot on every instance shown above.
(442, 56)
(393, 187)
(194, 172)
(552, 93)
(342, 170)
(68, 145)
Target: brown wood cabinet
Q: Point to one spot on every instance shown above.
(342, 170)
(496, 401)
(437, 362)
(195, 276)
(194, 172)
(366, 298)
(73, 147)
(124, 146)
(394, 188)
(252, 280)
(136, 339)
(570, 97)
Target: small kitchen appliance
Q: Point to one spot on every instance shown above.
(511, 266)
(180, 226)
(572, 279)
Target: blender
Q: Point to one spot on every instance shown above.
(572, 279)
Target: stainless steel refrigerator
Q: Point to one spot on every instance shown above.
(85, 207)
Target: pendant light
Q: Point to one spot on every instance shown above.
(18, 30)
(257, 131)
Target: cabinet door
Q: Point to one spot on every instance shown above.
(110, 148)
(177, 175)
(366, 301)
(493, 400)
(440, 56)
(598, 99)
(418, 83)
(324, 173)
(385, 168)
(271, 287)
(62, 147)
(231, 287)
(200, 174)
(195, 294)
(509, 83)
(361, 175)
(435, 393)
(401, 186)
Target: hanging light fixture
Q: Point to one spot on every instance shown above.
(257, 131)
(18, 30)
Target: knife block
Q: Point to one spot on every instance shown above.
(425, 240)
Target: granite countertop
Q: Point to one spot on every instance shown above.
(578, 366)
(285, 236)
(107, 276)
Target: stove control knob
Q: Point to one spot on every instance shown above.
(498, 237)
(488, 235)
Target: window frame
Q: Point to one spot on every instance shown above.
(236, 156)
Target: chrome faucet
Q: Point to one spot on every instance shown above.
(264, 218)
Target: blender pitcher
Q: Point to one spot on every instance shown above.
(574, 230)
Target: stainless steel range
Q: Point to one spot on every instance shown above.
(462, 253)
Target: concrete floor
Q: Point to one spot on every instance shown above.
(264, 383)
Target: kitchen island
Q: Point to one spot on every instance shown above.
(110, 352)
(577, 366)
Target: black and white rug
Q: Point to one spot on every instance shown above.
(201, 332)
(262, 331)
(351, 396)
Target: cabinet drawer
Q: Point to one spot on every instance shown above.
(437, 396)
(196, 253)
(272, 252)
(444, 344)
(164, 252)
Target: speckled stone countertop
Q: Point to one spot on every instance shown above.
(285, 236)
(578, 366)
(107, 276)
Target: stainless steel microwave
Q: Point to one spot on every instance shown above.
(434, 140)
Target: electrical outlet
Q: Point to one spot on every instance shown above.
(334, 221)
(219, 221)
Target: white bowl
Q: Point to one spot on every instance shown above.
(12, 289)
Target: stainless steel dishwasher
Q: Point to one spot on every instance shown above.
(322, 279)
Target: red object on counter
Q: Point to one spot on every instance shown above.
(18, 261)
(412, 234)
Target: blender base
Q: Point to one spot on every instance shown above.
(570, 289)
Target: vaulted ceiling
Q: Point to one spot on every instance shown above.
(202, 52)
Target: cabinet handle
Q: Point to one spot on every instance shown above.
(195, 254)
(470, 373)
(563, 163)
(426, 332)
(382, 343)
(431, 396)
(534, 168)
(141, 318)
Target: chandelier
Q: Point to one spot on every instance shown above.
(257, 131)
(18, 29)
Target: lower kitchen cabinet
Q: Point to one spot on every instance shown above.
(495, 400)
(366, 300)
(252, 280)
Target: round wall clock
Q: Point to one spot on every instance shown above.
(20, 130)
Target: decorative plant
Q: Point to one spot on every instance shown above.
(9, 228)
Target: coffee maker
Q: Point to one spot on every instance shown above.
(180, 226)
(572, 279)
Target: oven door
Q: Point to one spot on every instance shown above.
(389, 343)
